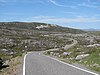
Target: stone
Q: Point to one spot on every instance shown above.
(51, 53)
(79, 57)
(66, 53)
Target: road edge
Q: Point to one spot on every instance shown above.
(24, 62)
(70, 65)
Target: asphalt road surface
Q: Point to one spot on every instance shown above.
(37, 64)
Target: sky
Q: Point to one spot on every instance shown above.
(80, 14)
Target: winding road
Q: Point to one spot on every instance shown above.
(37, 64)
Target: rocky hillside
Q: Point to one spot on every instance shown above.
(38, 26)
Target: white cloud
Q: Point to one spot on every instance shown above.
(60, 5)
(73, 13)
(94, 2)
(90, 4)
(87, 5)
(65, 20)
(42, 17)
(52, 19)
(38, 18)
(12, 2)
(11, 14)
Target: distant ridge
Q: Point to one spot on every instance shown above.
(91, 29)
(38, 26)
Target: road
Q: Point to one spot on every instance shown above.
(66, 47)
(71, 45)
(37, 64)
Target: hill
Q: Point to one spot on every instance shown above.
(91, 29)
(38, 26)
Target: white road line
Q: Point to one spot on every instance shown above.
(24, 63)
(70, 65)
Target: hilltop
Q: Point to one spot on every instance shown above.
(38, 26)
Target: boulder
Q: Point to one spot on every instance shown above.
(79, 57)
(51, 53)
(66, 53)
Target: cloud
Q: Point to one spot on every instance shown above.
(52, 19)
(11, 14)
(38, 18)
(12, 2)
(65, 20)
(87, 5)
(71, 13)
(35, 18)
(42, 17)
(93, 2)
(60, 5)
(90, 4)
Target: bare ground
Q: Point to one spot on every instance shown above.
(14, 68)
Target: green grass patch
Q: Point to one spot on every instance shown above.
(93, 60)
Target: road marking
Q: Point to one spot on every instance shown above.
(70, 65)
(24, 63)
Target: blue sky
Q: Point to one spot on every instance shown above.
(83, 14)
